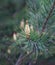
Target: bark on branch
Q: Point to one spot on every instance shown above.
(46, 20)
(19, 61)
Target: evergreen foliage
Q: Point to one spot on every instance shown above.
(40, 45)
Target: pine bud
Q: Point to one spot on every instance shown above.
(27, 29)
(28, 52)
(14, 36)
(9, 51)
(22, 24)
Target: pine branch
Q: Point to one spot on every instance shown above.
(19, 61)
(46, 20)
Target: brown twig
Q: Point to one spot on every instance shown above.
(19, 61)
(46, 20)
